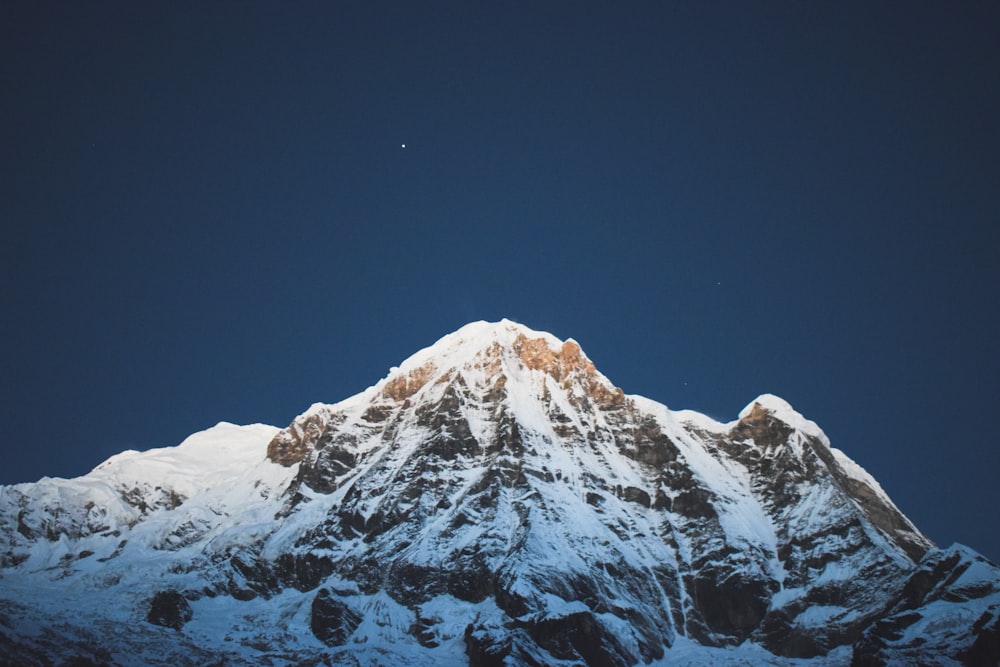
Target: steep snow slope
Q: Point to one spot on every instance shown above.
(495, 498)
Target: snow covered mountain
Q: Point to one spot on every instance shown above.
(494, 500)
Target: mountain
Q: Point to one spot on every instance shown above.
(495, 500)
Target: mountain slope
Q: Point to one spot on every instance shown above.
(494, 500)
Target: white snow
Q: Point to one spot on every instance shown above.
(782, 410)
(568, 516)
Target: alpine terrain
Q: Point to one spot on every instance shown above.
(495, 500)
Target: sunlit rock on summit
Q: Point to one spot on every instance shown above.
(494, 500)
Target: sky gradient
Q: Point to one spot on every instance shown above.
(209, 215)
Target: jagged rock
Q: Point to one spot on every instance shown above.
(331, 620)
(731, 604)
(169, 609)
(486, 648)
(634, 495)
(580, 636)
(424, 630)
(985, 650)
(302, 571)
(934, 597)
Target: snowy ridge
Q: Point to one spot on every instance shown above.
(460, 347)
(493, 499)
(784, 412)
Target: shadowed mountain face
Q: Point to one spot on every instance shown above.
(494, 500)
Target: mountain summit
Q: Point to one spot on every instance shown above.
(494, 500)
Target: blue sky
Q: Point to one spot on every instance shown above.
(209, 215)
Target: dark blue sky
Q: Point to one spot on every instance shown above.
(208, 215)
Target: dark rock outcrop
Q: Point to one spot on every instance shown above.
(935, 595)
(580, 636)
(169, 609)
(331, 620)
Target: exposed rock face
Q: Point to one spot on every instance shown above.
(294, 443)
(985, 649)
(487, 532)
(949, 601)
(169, 609)
(331, 620)
(496, 500)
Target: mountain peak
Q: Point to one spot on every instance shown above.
(497, 349)
(493, 500)
(770, 406)
(472, 338)
(504, 365)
